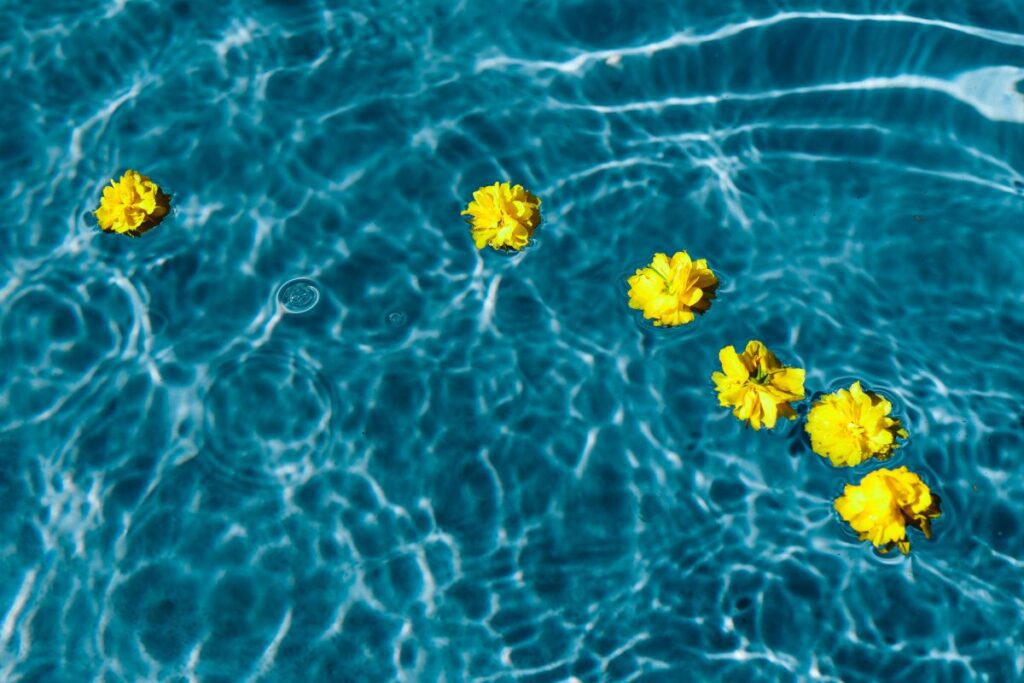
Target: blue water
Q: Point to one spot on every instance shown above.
(462, 466)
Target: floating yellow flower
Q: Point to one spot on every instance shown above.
(757, 386)
(850, 426)
(885, 503)
(670, 291)
(503, 216)
(132, 205)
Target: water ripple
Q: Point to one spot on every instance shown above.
(268, 417)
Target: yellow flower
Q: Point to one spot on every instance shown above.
(885, 503)
(757, 386)
(850, 426)
(670, 291)
(132, 205)
(503, 216)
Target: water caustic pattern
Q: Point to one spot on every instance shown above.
(462, 465)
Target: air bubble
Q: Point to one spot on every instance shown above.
(396, 318)
(298, 295)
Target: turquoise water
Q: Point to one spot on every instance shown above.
(423, 463)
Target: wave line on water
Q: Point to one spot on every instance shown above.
(990, 91)
(947, 175)
(687, 39)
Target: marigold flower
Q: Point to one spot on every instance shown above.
(850, 426)
(503, 216)
(670, 291)
(885, 503)
(757, 386)
(132, 205)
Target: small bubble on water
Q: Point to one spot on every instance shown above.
(298, 295)
(396, 318)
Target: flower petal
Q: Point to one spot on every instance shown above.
(732, 364)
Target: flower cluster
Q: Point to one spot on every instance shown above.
(757, 386)
(885, 503)
(132, 205)
(670, 291)
(503, 216)
(851, 425)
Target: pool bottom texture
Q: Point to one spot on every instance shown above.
(304, 431)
